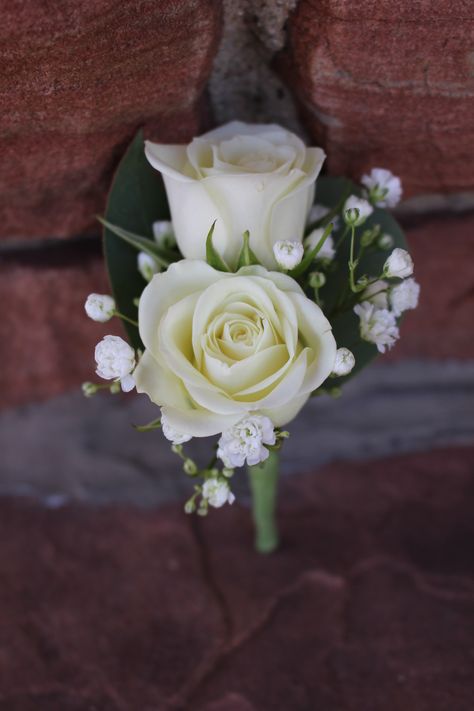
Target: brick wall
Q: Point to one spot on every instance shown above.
(372, 86)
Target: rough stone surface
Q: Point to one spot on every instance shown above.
(78, 79)
(46, 338)
(369, 604)
(243, 84)
(73, 449)
(377, 89)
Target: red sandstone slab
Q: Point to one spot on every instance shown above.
(387, 86)
(78, 79)
(369, 604)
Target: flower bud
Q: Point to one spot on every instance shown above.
(99, 307)
(147, 266)
(385, 241)
(190, 467)
(190, 506)
(384, 188)
(317, 280)
(114, 357)
(399, 264)
(344, 362)
(89, 389)
(163, 234)
(288, 254)
(356, 211)
(216, 492)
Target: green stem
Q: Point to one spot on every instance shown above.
(126, 318)
(263, 484)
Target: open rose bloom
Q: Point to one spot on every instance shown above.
(252, 299)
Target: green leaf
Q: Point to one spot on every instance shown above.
(142, 244)
(136, 199)
(213, 257)
(310, 256)
(345, 325)
(246, 256)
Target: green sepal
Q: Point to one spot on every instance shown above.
(213, 257)
(142, 244)
(310, 256)
(153, 425)
(246, 256)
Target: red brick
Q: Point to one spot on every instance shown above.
(78, 79)
(46, 339)
(442, 325)
(387, 85)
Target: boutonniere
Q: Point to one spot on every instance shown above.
(247, 283)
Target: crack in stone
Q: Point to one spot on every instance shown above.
(430, 585)
(181, 698)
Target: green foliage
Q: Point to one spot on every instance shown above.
(213, 257)
(246, 256)
(311, 255)
(346, 324)
(136, 200)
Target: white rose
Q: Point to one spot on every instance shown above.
(404, 296)
(171, 434)
(251, 177)
(220, 346)
(384, 188)
(115, 360)
(100, 307)
(399, 264)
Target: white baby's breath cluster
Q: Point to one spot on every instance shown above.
(288, 254)
(399, 264)
(327, 250)
(382, 187)
(383, 302)
(404, 296)
(216, 491)
(344, 363)
(356, 211)
(378, 326)
(163, 233)
(147, 266)
(100, 307)
(244, 442)
(115, 360)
